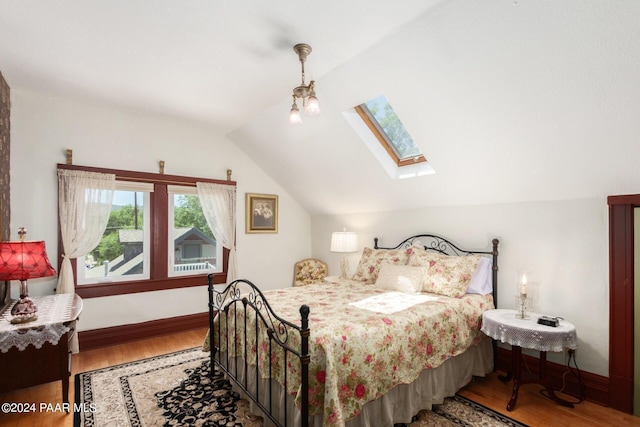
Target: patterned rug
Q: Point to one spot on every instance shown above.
(460, 411)
(169, 390)
(175, 390)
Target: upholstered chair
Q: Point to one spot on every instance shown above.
(309, 270)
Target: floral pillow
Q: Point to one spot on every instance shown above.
(372, 259)
(446, 275)
(418, 256)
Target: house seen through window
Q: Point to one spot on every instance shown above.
(192, 246)
(120, 255)
(156, 238)
(123, 251)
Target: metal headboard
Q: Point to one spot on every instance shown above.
(432, 242)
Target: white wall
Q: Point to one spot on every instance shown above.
(42, 128)
(563, 244)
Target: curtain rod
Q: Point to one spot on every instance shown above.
(151, 177)
(162, 181)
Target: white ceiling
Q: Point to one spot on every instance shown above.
(509, 100)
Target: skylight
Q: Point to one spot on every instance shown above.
(386, 126)
(384, 134)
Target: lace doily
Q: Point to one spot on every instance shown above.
(53, 312)
(504, 326)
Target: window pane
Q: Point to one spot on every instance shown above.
(192, 247)
(122, 253)
(389, 123)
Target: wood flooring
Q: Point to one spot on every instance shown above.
(532, 408)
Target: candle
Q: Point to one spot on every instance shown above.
(523, 284)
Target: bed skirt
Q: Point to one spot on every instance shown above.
(400, 404)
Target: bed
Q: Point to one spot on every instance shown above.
(399, 336)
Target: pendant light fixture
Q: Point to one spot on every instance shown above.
(305, 92)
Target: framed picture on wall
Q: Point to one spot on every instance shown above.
(261, 213)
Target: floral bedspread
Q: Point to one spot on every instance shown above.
(359, 354)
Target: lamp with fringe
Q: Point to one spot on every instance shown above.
(22, 260)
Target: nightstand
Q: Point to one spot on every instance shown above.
(37, 352)
(503, 325)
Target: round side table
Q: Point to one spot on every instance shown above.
(503, 325)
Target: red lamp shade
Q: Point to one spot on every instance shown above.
(24, 260)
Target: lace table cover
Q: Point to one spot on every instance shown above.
(53, 312)
(503, 325)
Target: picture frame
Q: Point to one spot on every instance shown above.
(261, 212)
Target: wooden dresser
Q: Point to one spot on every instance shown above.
(38, 352)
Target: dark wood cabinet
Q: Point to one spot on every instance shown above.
(51, 362)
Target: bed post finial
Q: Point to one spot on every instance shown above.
(375, 243)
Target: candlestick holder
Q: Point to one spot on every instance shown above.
(522, 306)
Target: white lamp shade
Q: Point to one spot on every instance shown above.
(344, 241)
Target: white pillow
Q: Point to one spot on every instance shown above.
(481, 280)
(403, 278)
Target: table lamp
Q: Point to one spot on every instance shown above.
(23, 260)
(344, 242)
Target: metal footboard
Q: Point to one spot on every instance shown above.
(239, 303)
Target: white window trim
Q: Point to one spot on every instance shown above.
(146, 189)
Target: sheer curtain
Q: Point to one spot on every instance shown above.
(84, 203)
(218, 203)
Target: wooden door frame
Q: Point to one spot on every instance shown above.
(621, 284)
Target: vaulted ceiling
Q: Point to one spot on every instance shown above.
(510, 100)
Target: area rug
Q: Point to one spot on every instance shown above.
(460, 411)
(176, 390)
(169, 390)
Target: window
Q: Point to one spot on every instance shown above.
(123, 252)
(381, 129)
(192, 246)
(157, 238)
(386, 126)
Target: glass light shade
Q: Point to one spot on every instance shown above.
(523, 300)
(344, 241)
(522, 282)
(313, 106)
(294, 115)
(24, 260)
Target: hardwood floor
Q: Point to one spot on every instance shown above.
(536, 410)
(532, 408)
